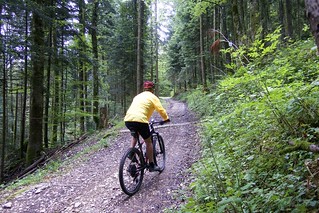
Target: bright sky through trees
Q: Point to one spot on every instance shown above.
(165, 11)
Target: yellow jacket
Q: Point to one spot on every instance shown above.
(143, 106)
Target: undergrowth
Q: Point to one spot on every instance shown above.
(249, 123)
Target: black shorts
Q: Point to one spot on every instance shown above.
(142, 128)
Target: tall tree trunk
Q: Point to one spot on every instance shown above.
(156, 53)
(264, 16)
(47, 101)
(16, 117)
(4, 94)
(241, 12)
(63, 85)
(224, 29)
(289, 18)
(48, 85)
(281, 18)
(81, 62)
(36, 110)
(57, 89)
(11, 100)
(25, 84)
(139, 72)
(213, 61)
(202, 63)
(95, 64)
(4, 118)
(235, 21)
(152, 38)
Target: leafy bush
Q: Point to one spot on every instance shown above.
(247, 121)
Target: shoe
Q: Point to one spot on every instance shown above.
(154, 168)
(132, 157)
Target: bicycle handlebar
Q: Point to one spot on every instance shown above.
(158, 122)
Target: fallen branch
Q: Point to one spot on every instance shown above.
(66, 147)
(300, 146)
(48, 156)
(30, 169)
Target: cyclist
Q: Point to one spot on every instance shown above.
(138, 115)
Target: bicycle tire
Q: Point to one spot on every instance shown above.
(159, 151)
(131, 172)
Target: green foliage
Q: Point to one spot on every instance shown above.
(261, 48)
(202, 6)
(246, 121)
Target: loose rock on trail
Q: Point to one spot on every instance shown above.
(90, 183)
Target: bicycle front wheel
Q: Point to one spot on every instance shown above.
(131, 171)
(159, 151)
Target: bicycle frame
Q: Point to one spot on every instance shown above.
(140, 144)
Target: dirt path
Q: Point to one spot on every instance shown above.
(90, 184)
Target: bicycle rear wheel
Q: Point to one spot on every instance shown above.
(131, 171)
(159, 151)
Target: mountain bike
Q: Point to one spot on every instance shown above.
(134, 161)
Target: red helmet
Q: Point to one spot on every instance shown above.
(148, 85)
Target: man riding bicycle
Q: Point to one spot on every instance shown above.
(138, 115)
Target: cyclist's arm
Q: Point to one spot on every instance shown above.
(160, 109)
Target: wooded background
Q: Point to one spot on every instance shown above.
(67, 64)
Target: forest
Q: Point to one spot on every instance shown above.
(249, 68)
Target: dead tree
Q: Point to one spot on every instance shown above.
(312, 9)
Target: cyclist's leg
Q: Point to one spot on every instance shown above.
(149, 150)
(146, 135)
(149, 153)
(133, 142)
(132, 126)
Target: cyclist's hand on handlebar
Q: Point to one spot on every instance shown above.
(162, 122)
